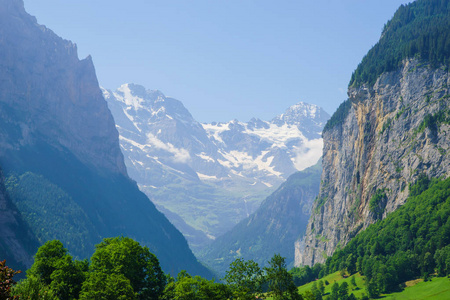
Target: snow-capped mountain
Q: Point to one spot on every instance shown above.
(212, 175)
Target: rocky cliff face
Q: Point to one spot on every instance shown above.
(58, 143)
(390, 134)
(47, 92)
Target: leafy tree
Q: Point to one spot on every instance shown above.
(33, 288)
(316, 292)
(57, 270)
(343, 291)
(46, 259)
(321, 287)
(186, 287)
(353, 281)
(6, 281)
(334, 291)
(122, 255)
(281, 284)
(245, 278)
(442, 258)
(101, 286)
(308, 295)
(68, 277)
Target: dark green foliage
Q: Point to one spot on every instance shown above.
(321, 287)
(305, 274)
(353, 281)
(433, 122)
(339, 116)
(186, 287)
(245, 278)
(280, 281)
(442, 258)
(420, 186)
(57, 270)
(51, 212)
(377, 202)
(127, 257)
(419, 29)
(409, 243)
(316, 292)
(112, 286)
(33, 288)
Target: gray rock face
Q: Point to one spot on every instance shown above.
(33, 61)
(383, 144)
(212, 175)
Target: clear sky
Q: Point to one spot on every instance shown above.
(224, 59)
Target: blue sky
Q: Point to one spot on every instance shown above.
(224, 59)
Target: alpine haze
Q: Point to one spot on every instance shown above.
(212, 175)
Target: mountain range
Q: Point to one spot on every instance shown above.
(207, 177)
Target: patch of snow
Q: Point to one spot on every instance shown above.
(278, 136)
(205, 157)
(179, 154)
(206, 177)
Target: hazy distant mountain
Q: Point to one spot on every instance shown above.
(60, 151)
(272, 228)
(212, 175)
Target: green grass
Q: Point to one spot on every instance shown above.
(336, 277)
(436, 289)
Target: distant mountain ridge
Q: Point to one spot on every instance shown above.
(272, 228)
(212, 175)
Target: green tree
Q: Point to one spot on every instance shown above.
(122, 255)
(442, 258)
(308, 295)
(32, 288)
(353, 281)
(343, 291)
(321, 287)
(245, 278)
(281, 284)
(68, 277)
(46, 259)
(186, 287)
(58, 270)
(351, 264)
(334, 291)
(101, 286)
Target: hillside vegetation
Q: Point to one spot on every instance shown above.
(419, 29)
(412, 242)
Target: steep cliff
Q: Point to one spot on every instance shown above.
(60, 152)
(387, 135)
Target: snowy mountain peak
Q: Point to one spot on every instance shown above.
(301, 111)
(167, 150)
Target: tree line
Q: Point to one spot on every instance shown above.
(122, 269)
